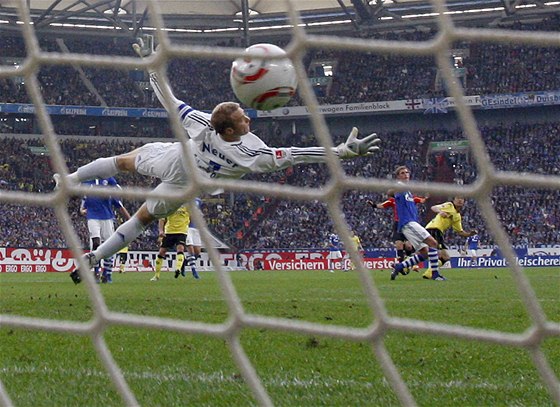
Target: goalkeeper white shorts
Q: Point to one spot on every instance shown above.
(163, 161)
(162, 207)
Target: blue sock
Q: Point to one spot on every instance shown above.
(412, 260)
(433, 256)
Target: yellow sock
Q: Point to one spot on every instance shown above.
(180, 260)
(159, 264)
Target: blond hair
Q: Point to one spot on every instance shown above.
(399, 169)
(221, 116)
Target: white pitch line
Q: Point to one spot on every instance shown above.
(220, 377)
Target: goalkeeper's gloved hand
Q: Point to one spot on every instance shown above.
(354, 147)
(144, 45)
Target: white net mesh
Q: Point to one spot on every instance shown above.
(531, 340)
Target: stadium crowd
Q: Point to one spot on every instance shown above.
(26, 167)
(357, 77)
(245, 221)
(531, 216)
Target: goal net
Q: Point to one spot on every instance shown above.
(230, 331)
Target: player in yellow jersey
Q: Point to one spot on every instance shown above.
(122, 256)
(448, 215)
(173, 234)
(356, 244)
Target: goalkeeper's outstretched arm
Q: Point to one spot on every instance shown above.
(160, 88)
(144, 47)
(273, 159)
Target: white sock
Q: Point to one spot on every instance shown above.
(124, 234)
(100, 168)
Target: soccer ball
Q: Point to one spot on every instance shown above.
(261, 83)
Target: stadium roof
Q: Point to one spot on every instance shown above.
(206, 7)
(215, 17)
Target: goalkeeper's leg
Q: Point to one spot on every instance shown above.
(125, 234)
(150, 210)
(102, 168)
(121, 238)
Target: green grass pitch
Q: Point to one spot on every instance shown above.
(165, 368)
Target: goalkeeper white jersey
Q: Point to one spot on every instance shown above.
(218, 158)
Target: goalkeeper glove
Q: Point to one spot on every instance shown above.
(144, 45)
(354, 147)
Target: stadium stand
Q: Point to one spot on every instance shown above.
(260, 222)
(531, 216)
(489, 69)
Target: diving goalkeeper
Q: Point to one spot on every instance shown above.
(223, 147)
